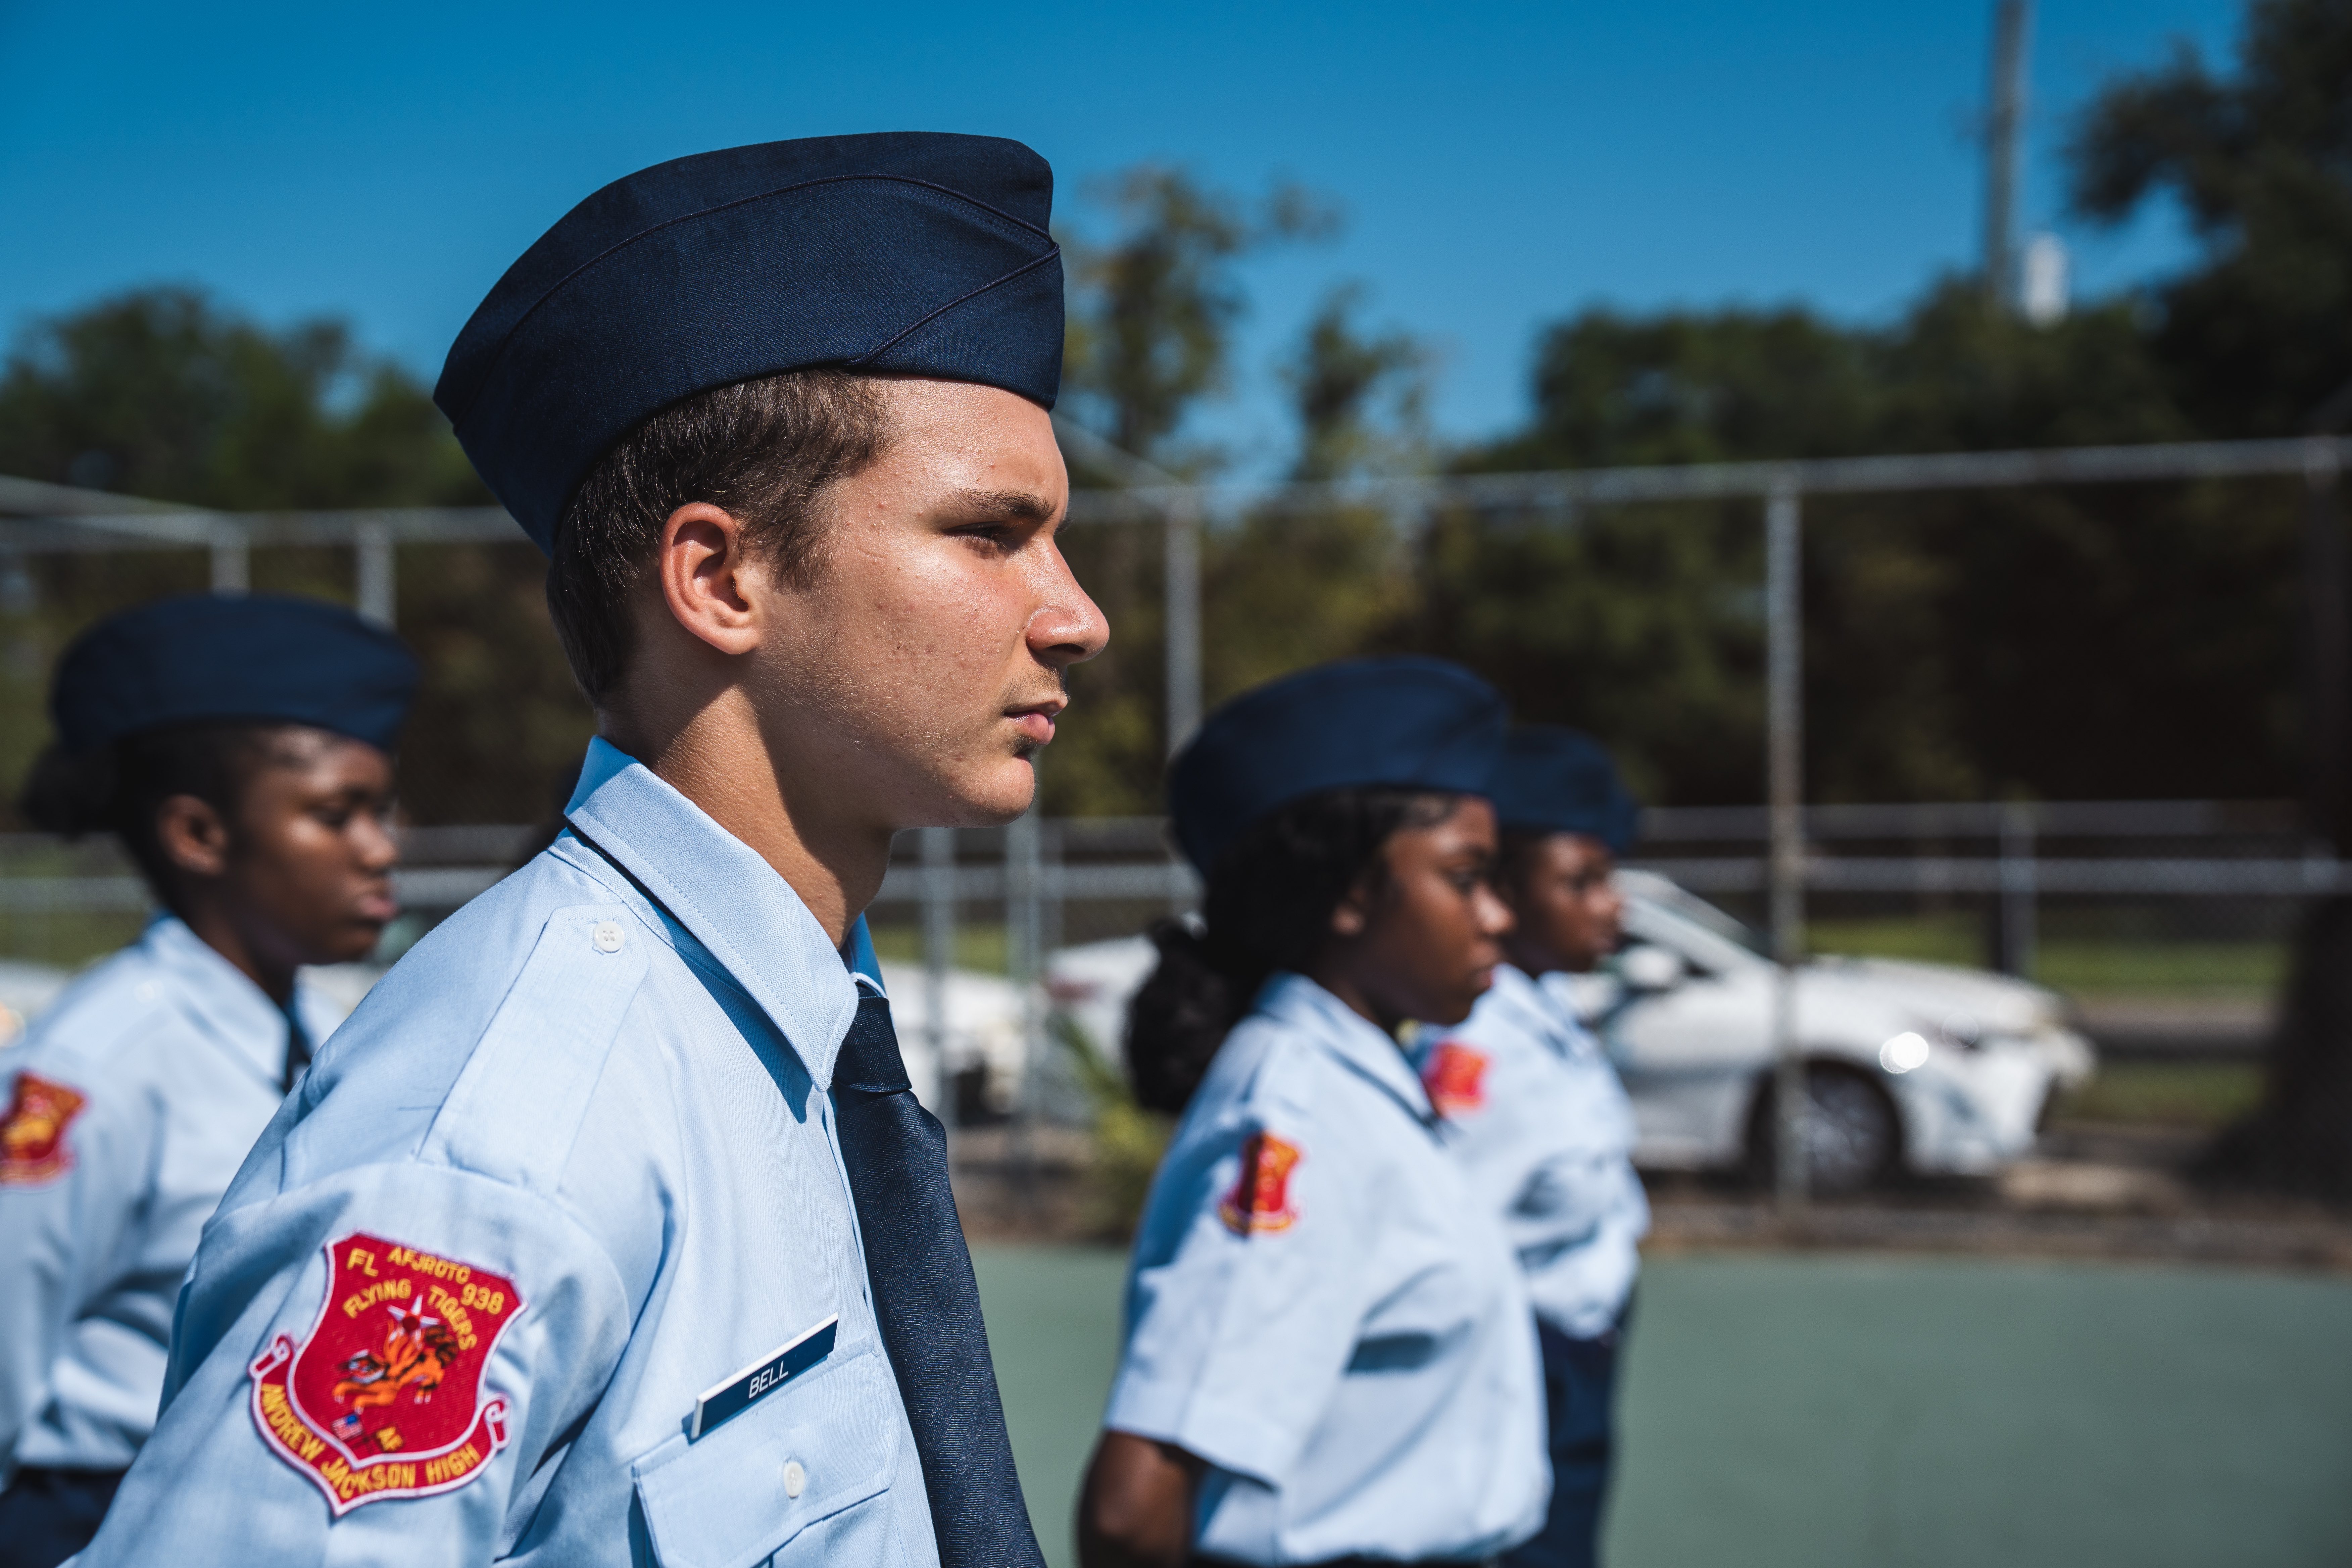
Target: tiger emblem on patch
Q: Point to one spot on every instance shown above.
(385, 1398)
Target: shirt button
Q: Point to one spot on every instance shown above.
(795, 1479)
(608, 936)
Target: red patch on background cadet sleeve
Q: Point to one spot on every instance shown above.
(33, 1138)
(1261, 1196)
(1455, 1077)
(385, 1398)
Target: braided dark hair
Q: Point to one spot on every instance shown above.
(1269, 907)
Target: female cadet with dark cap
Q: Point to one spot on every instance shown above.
(241, 750)
(1536, 1116)
(1329, 1351)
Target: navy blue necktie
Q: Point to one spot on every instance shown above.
(926, 1301)
(298, 1048)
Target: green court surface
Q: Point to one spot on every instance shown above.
(1876, 1411)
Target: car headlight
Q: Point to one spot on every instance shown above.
(1905, 1052)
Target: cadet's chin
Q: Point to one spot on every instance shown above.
(994, 795)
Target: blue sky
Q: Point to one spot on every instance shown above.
(1500, 165)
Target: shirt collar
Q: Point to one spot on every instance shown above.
(1538, 1009)
(218, 997)
(719, 889)
(1295, 1000)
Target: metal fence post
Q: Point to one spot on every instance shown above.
(372, 544)
(1183, 620)
(2018, 935)
(938, 954)
(1021, 933)
(1784, 662)
(232, 560)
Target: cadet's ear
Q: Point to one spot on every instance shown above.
(1353, 913)
(709, 578)
(194, 837)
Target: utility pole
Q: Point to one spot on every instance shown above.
(2004, 130)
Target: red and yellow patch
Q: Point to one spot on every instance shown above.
(33, 1148)
(1455, 1077)
(385, 1398)
(1261, 1196)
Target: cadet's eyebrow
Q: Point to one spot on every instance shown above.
(1006, 506)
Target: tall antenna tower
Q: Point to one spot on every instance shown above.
(2004, 132)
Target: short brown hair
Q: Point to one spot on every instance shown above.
(764, 450)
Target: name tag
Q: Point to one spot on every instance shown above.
(763, 1378)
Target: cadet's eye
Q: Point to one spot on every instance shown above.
(996, 536)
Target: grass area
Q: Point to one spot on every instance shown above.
(2171, 1094)
(1830, 1411)
(2076, 963)
(979, 948)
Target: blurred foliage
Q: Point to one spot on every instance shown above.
(2098, 641)
(162, 393)
(2260, 160)
(1128, 1140)
(2164, 1094)
(1150, 329)
(1362, 402)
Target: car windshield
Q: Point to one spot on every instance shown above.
(1699, 912)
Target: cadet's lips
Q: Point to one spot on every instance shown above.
(1035, 724)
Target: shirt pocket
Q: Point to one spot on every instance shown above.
(727, 1501)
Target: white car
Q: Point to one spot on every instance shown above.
(25, 992)
(1924, 1067)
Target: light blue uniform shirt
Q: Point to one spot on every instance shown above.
(1542, 1127)
(583, 1132)
(176, 1061)
(1320, 1310)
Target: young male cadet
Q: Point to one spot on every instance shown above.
(608, 1229)
(240, 749)
(1534, 1112)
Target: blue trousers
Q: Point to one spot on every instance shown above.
(1580, 1396)
(46, 1516)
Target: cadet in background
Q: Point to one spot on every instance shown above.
(1328, 1350)
(1534, 1112)
(241, 750)
(608, 1230)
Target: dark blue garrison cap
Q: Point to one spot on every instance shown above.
(259, 656)
(1556, 780)
(910, 252)
(1414, 723)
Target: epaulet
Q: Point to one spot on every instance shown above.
(517, 1107)
(106, 1008)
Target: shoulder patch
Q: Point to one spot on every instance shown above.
(32, 1150)
(1455, 1077)
(385, 1398)
(1261, 1196)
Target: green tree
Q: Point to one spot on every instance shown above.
(2258, 331)
(163, 393)
(1362, 400)
(1151, 324)
(1151, 318)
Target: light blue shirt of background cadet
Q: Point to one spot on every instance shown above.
(1545, 1133)
(604, 1080)
(178, 1061)
(1357, 1365)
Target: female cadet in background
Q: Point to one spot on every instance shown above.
(1536, 1116)
(1329, 1351)
(240, 749)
